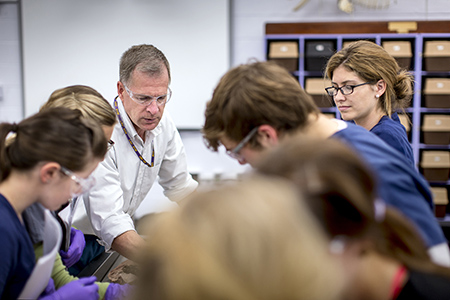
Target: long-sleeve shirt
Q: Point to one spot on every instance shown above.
(123, 180)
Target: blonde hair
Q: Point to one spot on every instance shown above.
(250, 240)
(87, 100)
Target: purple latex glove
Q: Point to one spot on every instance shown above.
(118, 291)
(81, 289)
(50, 289)
(76, 248)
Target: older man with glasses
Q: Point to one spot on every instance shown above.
(147, 146)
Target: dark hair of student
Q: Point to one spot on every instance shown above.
(60, 135)
(340, 189)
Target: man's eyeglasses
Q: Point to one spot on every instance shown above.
(234, 153)
(82, 185)
(345, 89)
(147, 100)
(110, 144)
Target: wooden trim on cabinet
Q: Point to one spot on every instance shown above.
(352, 27)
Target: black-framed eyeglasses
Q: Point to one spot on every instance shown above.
(345, 89)
(110, 144)
(234, 153)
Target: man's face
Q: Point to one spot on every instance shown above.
(144, 117)
(246, 154)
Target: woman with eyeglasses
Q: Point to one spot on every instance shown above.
(369, 88)
(94, 106)
(46, 159)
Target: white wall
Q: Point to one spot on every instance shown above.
(11, 104)
(248, 18)
(68, 42)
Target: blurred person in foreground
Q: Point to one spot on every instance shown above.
(387, 257)
(248, 240)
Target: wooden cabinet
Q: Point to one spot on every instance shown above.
(426, 55)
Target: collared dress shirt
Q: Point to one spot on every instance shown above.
(123, 180)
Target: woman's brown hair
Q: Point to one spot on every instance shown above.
(60, 134)
(340, 190)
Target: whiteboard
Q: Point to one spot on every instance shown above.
(68, 42)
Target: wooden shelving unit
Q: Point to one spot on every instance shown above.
(337, 34)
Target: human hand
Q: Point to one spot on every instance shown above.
(50, 288)
(76, 248)
(117, 291)
(81, 289)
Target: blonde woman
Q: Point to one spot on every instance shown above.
(250, 240)
(94, 106)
